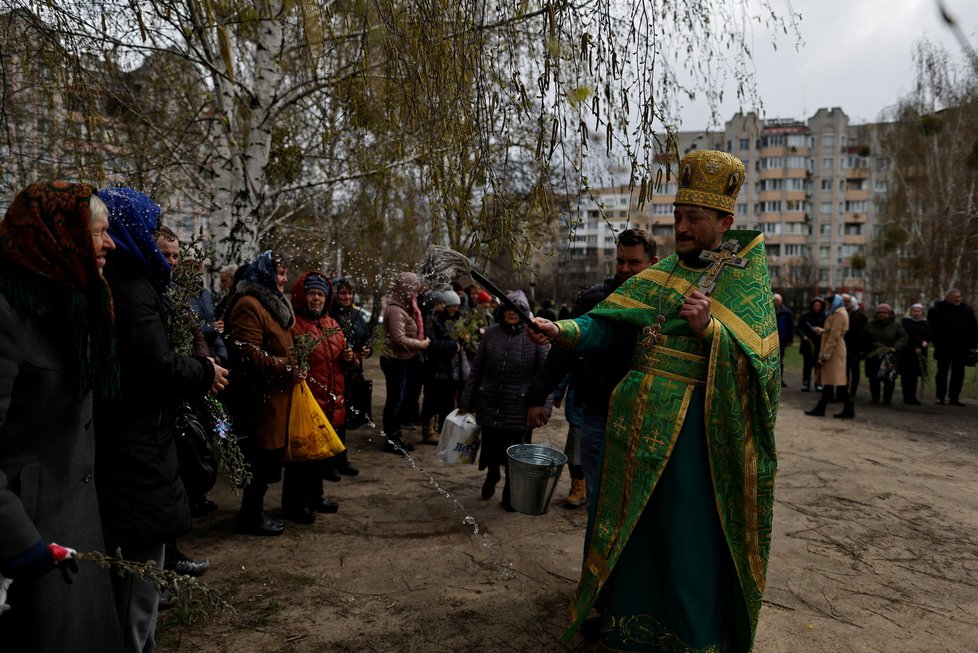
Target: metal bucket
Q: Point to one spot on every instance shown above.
(533, 474)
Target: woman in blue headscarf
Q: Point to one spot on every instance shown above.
(830, 367)
(260, 350)
(142, 500)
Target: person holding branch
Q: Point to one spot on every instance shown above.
(677, 552)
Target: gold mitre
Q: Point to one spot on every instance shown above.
(711, 179)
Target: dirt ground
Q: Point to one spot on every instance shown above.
(875, 549)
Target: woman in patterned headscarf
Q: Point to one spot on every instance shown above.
(56, 352)
(260, 350)
(141, 496)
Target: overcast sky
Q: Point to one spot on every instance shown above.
(857, 54)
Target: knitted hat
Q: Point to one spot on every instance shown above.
(884, 307)
(483, 297)
(451, 298)
(316, 281)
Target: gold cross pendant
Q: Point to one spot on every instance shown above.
(721, 259)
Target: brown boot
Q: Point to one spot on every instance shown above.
(429, 434)
(577, 496)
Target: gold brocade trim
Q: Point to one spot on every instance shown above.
(750, 482)
(569, 334)
(762, 346)
(625, 302)
(758, 239)
(663, 278)
(647, 631)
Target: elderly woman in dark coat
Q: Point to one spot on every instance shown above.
(56, 340)
(259, 317)
(811, 341)
(141, 496)
(501, 372)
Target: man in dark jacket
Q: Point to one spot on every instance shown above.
(142, 500)
(955, 334)
(854, 342)
(593, 378)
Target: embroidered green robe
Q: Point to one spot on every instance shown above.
(734, 370)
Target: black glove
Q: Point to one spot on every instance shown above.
(67, 567)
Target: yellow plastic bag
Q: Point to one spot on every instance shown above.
(311, 436)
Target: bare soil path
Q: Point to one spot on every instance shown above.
(875, 549)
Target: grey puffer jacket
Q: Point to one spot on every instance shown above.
(501, 372)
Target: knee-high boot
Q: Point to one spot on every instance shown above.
(819, 410)
(848, 410)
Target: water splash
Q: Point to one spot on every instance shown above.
(505, 569)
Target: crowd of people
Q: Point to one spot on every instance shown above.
(107, 325)
(836, 336)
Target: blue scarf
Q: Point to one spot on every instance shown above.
(133, 222)
(263, 272)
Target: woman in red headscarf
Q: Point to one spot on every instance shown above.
(56, 352)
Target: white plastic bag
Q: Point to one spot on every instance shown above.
(459, 441)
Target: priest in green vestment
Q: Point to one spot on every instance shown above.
(677, 549)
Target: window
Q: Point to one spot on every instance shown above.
(794, 250)
(669, 189)
(772, 227)
(882, 163)
(742, 208)
(861, 206)
(772, 162)
(825, 229)
(825, 208)
(827, 184)
(744, 144)
(828, 139)
(772, 140)
(796, 184)
(774, 250)
(796, 162)
(794, 205)
(772, 184)
(879, 186)
(853, 229)
(823, 251)
(662, 209)
(828, 163)
(796, 140)
(771, 206)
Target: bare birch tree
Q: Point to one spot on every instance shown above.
(928, 236)
(482, 101)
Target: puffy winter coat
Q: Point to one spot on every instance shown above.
(400, 327)
(504, 364)
(326, 366)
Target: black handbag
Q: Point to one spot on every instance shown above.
(359, 394)
(195, 451)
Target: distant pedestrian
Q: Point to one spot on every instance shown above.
(883, 339)
(811, 341)
(854, 340)
(955, 335)
(913, 359)
(831, 366)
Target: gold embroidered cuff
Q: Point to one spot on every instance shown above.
(569, 333)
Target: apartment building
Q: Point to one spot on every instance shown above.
(812, 189)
